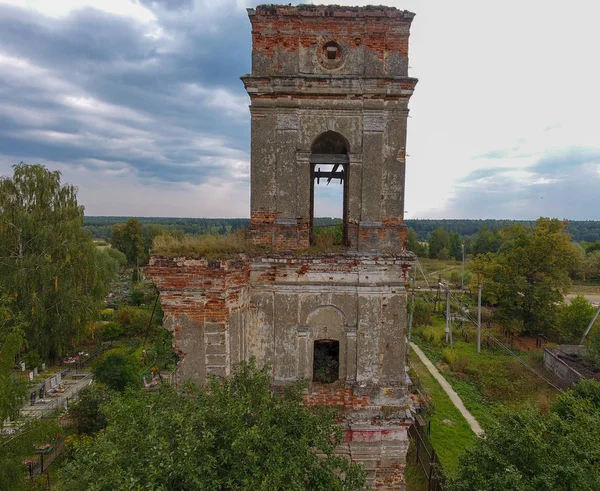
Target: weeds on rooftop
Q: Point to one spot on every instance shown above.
(209, 246)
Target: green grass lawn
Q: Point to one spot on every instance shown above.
(413, 474)
(434, 267)
(450, 432)
(581, 287)
(488, 381)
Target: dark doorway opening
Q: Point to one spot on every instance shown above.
(326, 361)
(329, 165)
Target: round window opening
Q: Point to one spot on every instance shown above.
(331, 55)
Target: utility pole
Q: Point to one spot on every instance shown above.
(479, 319)
(462, 272)
(448, 328)
(589, 327)
(437, 295)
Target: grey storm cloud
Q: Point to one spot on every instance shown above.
(562, 184)
(96, 87)
(168, 4)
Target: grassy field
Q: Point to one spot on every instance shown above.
(444, 268)
(584, 287)
(490, 380)
(450, 432)
(413, 474)
(489, 383)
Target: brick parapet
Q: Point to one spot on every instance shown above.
(285, 35)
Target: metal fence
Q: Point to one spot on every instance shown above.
(61, 402)
(425, 456)
(39, 464)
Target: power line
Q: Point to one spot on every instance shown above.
(504, 347)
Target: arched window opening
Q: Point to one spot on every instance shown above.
(326, 361)
(329, 166)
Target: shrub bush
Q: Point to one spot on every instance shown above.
(432, 335)
(111, 331)
(87, 415)
(32, 359)
(117, 371)
(450, 356)
(422, 313)
(107, 315)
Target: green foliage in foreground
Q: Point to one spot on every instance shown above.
(231, 434)
(531, 451)
(16, 449)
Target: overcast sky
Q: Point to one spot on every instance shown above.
(139, 104)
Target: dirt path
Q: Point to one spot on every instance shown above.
(456, 400)
(593, 298)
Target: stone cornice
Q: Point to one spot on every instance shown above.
(328, 85)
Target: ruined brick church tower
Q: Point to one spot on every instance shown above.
(329, 93)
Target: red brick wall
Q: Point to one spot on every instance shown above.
(291, 27)
(204, 292)
(343, 396)
(265, 231)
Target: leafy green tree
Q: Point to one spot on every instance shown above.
(592, 265)
(455, 246)
(439, 241)
(529, 275)
(231, 434)
(127, 238)
(117, 371)
(573, 318)
(413, 244)
(487, 241)
(151, 231)
(47, 262)
(530, 451)
(87, 413)
(111, 331)
(12, 389)
(135, 320)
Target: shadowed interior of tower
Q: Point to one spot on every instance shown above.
(326, 361)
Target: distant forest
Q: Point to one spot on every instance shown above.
(101, 227)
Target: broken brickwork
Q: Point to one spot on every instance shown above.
(329, 86)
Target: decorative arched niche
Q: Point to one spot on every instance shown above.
(325, 347)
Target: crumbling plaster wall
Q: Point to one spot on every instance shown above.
(297, 94)
(280, 178)
(275, 307)
(359, 301)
